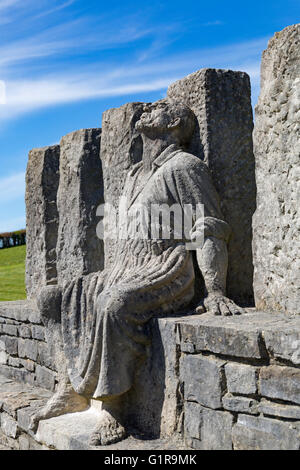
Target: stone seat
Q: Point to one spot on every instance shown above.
(19, 401)
(219, 382)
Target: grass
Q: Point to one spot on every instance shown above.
(12, 273)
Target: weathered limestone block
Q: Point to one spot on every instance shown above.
(281, 411)
(231, 336)
(9, 345)
(38, 332)
(281, 383)
(3, 357)
(221, 102)
(20, 311)
(121, 147)
(10, 330)
(28, 349)
(240, 404)
(192, 420)
(252, 433)
(79, 250)
(24, 331)
(158, 413)
(203, 380)
(284, 342)
(276, 243)
(42, 178)
(241, 379)
(215, 428)
(45, 378)
(9, 426)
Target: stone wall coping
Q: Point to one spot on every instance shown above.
(21, 310)
(253, 335)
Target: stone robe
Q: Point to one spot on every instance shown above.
(105, 315)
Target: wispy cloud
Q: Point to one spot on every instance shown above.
(4, 4)
(55, 9)
(98, 81)
(12, 187)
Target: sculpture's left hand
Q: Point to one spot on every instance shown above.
(218, 304)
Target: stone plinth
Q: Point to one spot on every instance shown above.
(42, 178)
(276, 244)
(221, 101)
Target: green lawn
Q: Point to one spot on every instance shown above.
(12, 273)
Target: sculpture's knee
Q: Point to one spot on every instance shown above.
(49, 304)
(113, 304)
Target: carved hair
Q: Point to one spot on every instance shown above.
(177, 119)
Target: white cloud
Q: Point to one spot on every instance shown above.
(213, 23)
(12, 187)
(99, 81)
(55, 9)
(4, 4)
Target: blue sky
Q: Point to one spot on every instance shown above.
(64, 62)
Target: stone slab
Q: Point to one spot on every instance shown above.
(276, 242)
(242, 336)
(73, 431)
(79, 250)
(158, 413)
(215, 429)
(203, 380)
(279, 410)
(281, 383)
(241, 379)
(240, 404)
(256, 433)
(42, 178)
(21, 311)
(221, 101)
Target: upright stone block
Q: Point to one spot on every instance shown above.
(221, 102)
(42, 178)
(79, 250)
(158, 414)
(121, 147)
(276, 242)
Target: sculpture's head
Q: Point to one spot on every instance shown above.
(169, 120)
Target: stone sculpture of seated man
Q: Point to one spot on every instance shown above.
(102, 317)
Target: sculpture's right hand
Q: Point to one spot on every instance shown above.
(49, 304)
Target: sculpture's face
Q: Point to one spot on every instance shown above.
(154, 117)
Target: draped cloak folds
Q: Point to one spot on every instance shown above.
(105, 315)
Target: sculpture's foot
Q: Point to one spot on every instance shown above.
(63, 402)
(108, 430)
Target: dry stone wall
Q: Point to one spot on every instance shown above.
(241, 382)
(276, 223)
(220, 383)
(24, 353)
